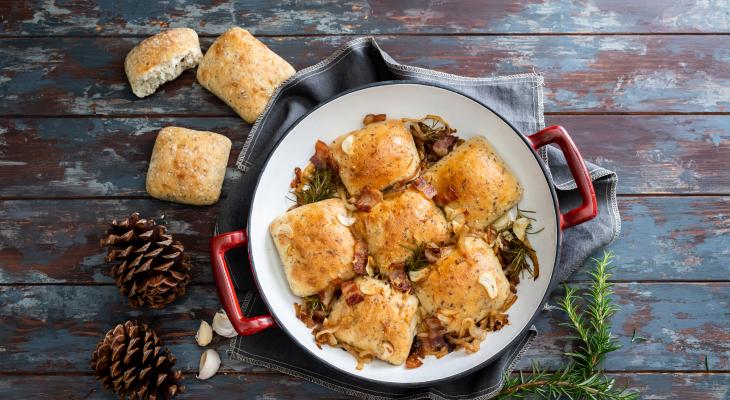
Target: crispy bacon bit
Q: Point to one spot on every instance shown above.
(413, 361)
(422, 185)
(441, 146)
(432, 254)
(360, 259)
(297, 178)
(323, 158)
(352, 293)
(436, 333)
(398, 277)
(368, 199)
(447, 197)
(370, 118)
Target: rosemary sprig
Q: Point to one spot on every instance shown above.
(312, 304)
(516, 253)
(583, 377)
(417, 260)
(321, 185)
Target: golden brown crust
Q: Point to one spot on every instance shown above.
(484, 185)
(383, 324)
(453, 289)
(243, 72)
(314, 246)
(399, 222)
(188, 166)
(161, 51)
(378, 155)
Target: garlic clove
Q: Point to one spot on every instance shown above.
(520, 228)
(204, 335)
(222, 325)
(347, 145)
(210, 361)
(345, 220)
(502, 222)
(487, 280)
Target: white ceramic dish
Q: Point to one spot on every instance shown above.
(343, 114)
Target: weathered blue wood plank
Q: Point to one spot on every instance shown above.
(54, 328)
(52, 241)
(90, 156)
(593, 73)
(108, 156)
(222, 386)
(657, 386)
(682, 323)
(363, 17)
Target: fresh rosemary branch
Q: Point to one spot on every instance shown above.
(583, 377)
(417, 260)
(321, 185)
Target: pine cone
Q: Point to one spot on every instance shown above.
(130, 361)
(148, 266)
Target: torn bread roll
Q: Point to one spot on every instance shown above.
(161, 58)
(188, 166)
(243, 72)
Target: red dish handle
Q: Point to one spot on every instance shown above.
(219, 245)
(589, 208)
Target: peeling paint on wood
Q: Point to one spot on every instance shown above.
(109, 156)
(661, 386)
(582, 73)
(222, 386)
(56, 241)
(43, 17)
(54, 328)
(678, 334)
(92, 157)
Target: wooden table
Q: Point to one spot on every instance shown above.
(643, 86)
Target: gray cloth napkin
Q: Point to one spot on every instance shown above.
(518, 98)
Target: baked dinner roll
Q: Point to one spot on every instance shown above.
(188, 166)
(468, 283)
(400, 222)
(243, 72)
(378, 155)
(483, 184)
(161, 58)
(382, 324)
(314, 246)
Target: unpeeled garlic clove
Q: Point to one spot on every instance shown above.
(204, 335)
(210, 361)
(222, 325)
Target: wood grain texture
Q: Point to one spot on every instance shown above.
(222, 386)
(57, 241)
(84, 76)
(54, 328)
(660, 386)
(363, 17)
(93, 157)
(109, 156)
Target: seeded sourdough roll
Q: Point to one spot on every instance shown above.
(188, 166)
(243, 72)
(161, 58)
